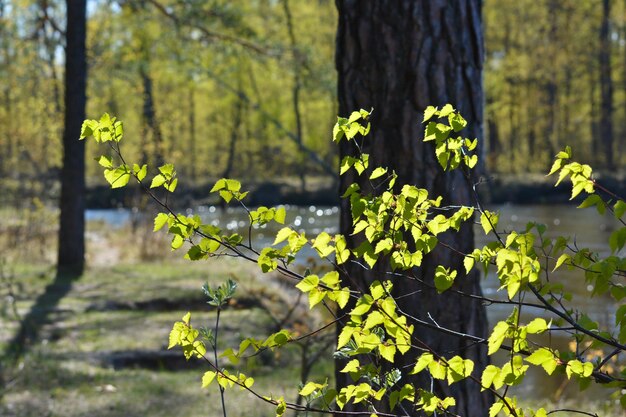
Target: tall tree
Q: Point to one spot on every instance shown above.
(606, 86)
(71, 253)
(398, 57)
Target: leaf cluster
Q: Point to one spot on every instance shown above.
(398, 227)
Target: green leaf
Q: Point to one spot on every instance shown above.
(160, 220)
(459, 369)
(378, 172)
(342, 296)
(562, 259)
(157, 181)
(617, 240)
(87, 129)
(207, 378)
(377, 290)
(322, 245)
(105, 161)
(444, 278)
(488, 221)
(387, 351)
(267, 260)
(556, 165)
(577, 188)
(471, 161)
(581, 369)
(171, 185)
(437, 370)
(281, 407)
(140, 172)
(177, 242)
(351, 366)
(497, 337)
(282, 235)
(446, 110)
(495, 409)
(316, 296)
(618, 209)
(117, 177)
(457, 122)
(592, 200)
(167, 170)
(363, 305)
(424, 360)
(545, 358)
(308, 283)
(489, 374)
(429, 113)
(309, 388)
(438, 224)
(468, 263)
(384, 245)
(342, 253)
(279, 216)
(538, 325)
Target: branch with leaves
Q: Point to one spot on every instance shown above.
(400, 224)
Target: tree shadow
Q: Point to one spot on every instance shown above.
(36, 318)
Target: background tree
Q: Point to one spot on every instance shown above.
(606, 86)
(398, 57)
(71, 251)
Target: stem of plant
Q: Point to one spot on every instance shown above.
(217, 325)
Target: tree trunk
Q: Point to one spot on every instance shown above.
(192, 134)
(234, 136)
(620, 143)
(150, 119)
(606, 87)
(593, 115)
(71, 254)
(297, 86)
(398, 57)
(551, 87)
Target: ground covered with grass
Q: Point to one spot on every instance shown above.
(102, 350)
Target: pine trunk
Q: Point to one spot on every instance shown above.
(71, 254)
(398, 57)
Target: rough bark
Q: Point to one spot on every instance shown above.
(71, 253)
(398, 57)
(606, 87)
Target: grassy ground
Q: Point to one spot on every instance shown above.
(102, 350)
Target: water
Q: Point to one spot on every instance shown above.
(586, 228)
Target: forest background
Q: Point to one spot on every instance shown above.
(231, 87)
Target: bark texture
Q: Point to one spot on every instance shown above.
(398, 57)
(71, 254)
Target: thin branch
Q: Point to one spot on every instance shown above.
(212, 34)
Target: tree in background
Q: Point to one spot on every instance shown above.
(398, 57)
(606, 87)
(71, 251)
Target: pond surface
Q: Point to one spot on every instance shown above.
(586, 228)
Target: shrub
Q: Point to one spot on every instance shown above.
(400, 224)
